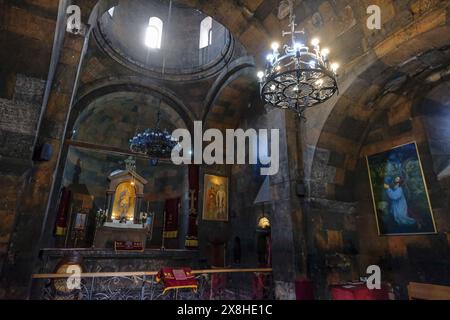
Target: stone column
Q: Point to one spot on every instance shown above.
(110, 204)
(287, 225)
(138, 208)
(184, 212)
(31, 212)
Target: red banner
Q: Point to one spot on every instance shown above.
(177, 279)
(61, 218)
(192, 235)
(172, 209)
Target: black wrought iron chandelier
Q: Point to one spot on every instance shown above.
(300, 77)
(156, 143)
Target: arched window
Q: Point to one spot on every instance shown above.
(205, 32)
(153, 35)
(111, 12)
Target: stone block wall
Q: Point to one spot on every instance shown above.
(343, 238)
(18, 121)
(19, 116)
(403, 259)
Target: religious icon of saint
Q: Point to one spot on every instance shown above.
(211, 196)
(221, 198)
(123, 203)
(80, 221)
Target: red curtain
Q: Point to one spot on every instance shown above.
(61, 218)
(172, 209)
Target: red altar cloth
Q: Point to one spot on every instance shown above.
(358, 291)
(181, 278)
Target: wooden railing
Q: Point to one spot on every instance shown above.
(145, 273)
(425, 291)
(223, 284)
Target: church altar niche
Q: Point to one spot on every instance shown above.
(124, 211)
(124, 196)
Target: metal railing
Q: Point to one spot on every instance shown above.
(213, 284)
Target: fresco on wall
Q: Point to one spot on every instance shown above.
(215, 198)
(399, 192)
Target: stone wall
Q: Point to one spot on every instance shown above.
(342, 232)
(403, 259)
(19, 116)
(246, 182)
(18, 121)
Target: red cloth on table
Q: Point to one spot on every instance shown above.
(358, 292)
(181, 278)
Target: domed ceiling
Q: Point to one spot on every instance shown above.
(113, 119)
(123, 32)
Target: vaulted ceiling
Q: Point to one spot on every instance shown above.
(411, 43)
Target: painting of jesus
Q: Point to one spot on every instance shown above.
(399, 192)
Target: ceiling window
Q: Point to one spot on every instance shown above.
(153, 35)
(111, 12)
(205, 33)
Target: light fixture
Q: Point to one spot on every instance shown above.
(301, 76)
(325, 52)
(315, 42)
(155, 143)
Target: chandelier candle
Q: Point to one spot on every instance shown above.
(300, 77)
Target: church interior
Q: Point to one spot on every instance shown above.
(93, 93)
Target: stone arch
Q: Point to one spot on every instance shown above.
(242, 67)
(231, 99)
(131, 84)
(372, 87)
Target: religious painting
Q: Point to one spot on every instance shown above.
(399, 192)
(124, 202)
(215, 198)
(80, 221)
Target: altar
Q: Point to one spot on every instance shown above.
(123, 221)
(109, 233)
